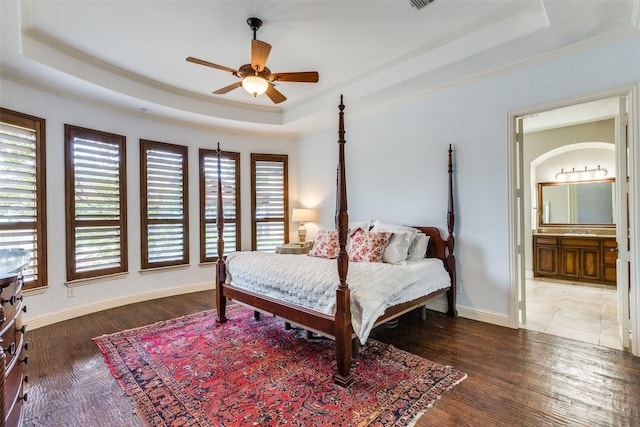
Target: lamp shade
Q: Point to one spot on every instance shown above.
(303, 215)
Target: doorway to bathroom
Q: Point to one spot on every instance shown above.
(569, 172)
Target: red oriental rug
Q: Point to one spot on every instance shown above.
(192, 371)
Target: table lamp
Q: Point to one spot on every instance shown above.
(303, 215)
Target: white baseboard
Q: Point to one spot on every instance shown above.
(61, 315)
(473, 313)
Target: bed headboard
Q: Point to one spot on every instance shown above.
(437, 245)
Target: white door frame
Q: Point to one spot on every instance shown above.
(633, 92)
(622, 197)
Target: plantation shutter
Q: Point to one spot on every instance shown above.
(270, 204)
(229, 165)
(165, 225)
(22, 191)
(96, 195)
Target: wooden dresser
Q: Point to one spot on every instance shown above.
(589, 259)
(13, 349)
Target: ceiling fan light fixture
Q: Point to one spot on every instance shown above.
(255, 85)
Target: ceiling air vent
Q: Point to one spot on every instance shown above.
(419, 4)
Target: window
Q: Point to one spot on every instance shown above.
(269, 201)
(165, 201)
(95, 183)
(230, 173)
(23, 212)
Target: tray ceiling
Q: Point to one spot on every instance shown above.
(130, 55)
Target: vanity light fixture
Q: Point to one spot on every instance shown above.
(581, 175)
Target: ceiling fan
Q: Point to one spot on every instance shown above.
(256, 78)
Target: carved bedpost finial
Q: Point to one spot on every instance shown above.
(341, 122)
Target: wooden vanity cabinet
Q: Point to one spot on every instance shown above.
(545, 256)
(575, 258)
(13, 349)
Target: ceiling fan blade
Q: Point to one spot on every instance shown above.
(274, 95)
(304, 77)
(211, 64)
(259, 54)
(229, 88)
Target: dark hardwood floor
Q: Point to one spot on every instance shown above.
(515, 377)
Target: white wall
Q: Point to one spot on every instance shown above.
(396, 160)
(54, 304)
(396, 171)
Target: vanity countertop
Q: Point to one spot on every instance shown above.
(576, 233)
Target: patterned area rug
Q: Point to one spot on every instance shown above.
(192, 371)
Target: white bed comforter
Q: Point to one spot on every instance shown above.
(311, 282)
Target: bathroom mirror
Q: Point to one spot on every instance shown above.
(577, 204)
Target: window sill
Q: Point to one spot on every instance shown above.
(164, 269)
(90, 280)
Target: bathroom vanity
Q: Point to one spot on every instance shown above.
(575, 257)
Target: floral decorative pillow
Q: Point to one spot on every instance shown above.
(326, 244)
(367, 246)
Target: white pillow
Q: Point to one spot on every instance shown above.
(418, 249)
(398, 248)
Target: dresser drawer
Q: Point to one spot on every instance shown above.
(13, 382)
(12, 339)
(11, 295)
(14, 418)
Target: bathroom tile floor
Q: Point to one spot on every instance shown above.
(581, 312)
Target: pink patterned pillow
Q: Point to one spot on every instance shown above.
(367, 246)
(326, 244)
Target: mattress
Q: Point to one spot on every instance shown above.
(311, 282)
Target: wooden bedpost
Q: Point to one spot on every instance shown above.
(343, 326)
(221, 273)
(451, 260)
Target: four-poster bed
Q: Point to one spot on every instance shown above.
(337, 324)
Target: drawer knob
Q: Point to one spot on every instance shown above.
(25, 360)
(11, 300)
(24, 308)
(26, 346)
(22, 330)
(613, 250)
(11, 349)
(26, 379)
(23, 397)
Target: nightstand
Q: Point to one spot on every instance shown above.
(295, 248)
